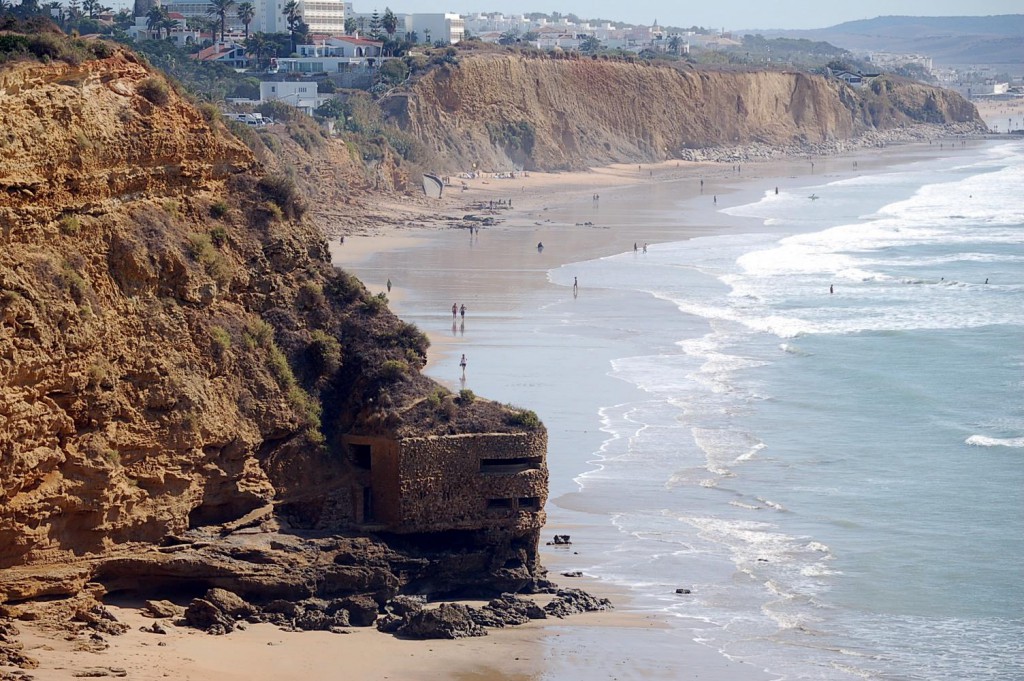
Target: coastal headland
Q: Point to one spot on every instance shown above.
(198, 408)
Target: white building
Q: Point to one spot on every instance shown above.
(322, 16)
(550, 40)
(334, 55)
(495, 22)
(447, 27)
(364, 23)
(180, 35)
(300, 94)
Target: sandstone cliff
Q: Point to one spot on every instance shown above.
(503, 110)
(179, 362)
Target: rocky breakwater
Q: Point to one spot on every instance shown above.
(192, 398)
(502, 111)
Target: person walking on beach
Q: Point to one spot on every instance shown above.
(634, 247)
(455, 310)
(645, 247)
(462, 363)
(389, 284)
(576, 285)
(716, 199)
(831, 288)
(462, 311)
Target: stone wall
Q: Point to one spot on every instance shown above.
(493, 481)
(458, 482)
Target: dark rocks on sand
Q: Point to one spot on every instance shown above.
(159, 609)
(683, 591)
(229, 603)
(389, 623)
(449, 620)
(157, 628)
(574, 601)
(512, 610)
(99, 673)
(11, 652)
(281, 607)
(572, 573)
(98, 618)
(204, 615)
(404, 605)
(559, 540)
(362, 610)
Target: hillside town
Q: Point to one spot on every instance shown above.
(303, 53)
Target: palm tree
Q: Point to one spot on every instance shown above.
(168, 24)
(389, 22)
(4, 6)
(260, 47)
(590, 45)
(350, 25)
(246, 12)
(89, 7)
(154, 18)
(219, 9)
(674, 43)
(124, 19)
(293, 15)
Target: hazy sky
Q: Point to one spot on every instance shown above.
(730, 14)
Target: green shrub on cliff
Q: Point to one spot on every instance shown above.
(282, 191)
(220, 341)
(393, 370)
(375, 304)
(277, 363)
(69, 225)
(324, 353)
(154, 90)
(258, 334)
(214, 263)
(523, 418)
(40, 39)
(518, 136)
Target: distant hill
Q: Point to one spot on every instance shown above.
(948, 40)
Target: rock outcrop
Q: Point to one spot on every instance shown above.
(180, 367)
(502, 111)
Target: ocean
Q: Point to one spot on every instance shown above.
(836, 478)
(825, 444)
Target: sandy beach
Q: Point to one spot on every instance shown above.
(501, 275)
(1000, 114)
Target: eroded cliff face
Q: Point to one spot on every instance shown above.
(545, 114)
(178, 361)
(111, 397)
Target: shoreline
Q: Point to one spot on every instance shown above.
(412, 215)
(443, 265)
(504, 280)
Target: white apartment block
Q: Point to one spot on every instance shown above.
(322, 16)
(447, 27)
